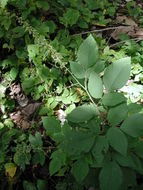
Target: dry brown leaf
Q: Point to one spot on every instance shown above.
(17, 93)
(30, 108)
(126, 30)
(121, 19)
(21, 117)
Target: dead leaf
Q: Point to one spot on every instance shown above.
(121, 19)
(30, 108)
(21, 117)
(126, 30)
(17, 93)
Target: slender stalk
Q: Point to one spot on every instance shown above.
(100, 30)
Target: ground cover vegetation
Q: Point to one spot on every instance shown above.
(71, 94)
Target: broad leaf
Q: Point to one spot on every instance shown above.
(100, 148)
(88, 52)
(117, 74)
(3, 3)
(51, 125)
(77, 69)
(133, 125)
(111, 176)
(58, 160)
(113, 99)
(95, 85)
(28, 185)
(82, 113)
(77, 142)
(80, 170)
(117, 140)
(117, 114)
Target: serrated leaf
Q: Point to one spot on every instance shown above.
(82, 113)
(36, 141)
(117, 74)
(111, 176)
(80, 170)
(88, 52)
(117, 140)
(117, 114)
(133, 125)
(113, 99)
(95, 85)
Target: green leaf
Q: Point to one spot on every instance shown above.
(82, 113)
(95, 85)
(51, 125)
(14, 73)
(88, 52)
(138, 149)
(125, 161)
(58, 160)
(42, 184)
(39, 157)
(100, 148)
(113, 99)
(117, 114)
(77, 69)
(80, 170)
(117, 74)
(36, 141)
(3, 3)
(76, 142)
(111, 176)
(28, 185)
(117, 140)
(70, 17)
(133, 125)
(134, 108)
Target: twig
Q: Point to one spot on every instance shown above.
(99, 30)
(133, 39)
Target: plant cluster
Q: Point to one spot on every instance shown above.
(48, 58)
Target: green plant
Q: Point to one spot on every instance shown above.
(101, 138)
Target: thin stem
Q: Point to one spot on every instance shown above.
(121, 42)
(100, 30)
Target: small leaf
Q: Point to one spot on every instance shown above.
(117, 74)
(113, 99)
(36, 141)
(111, 176)
(117, 114)
(133, 125)
(10, 169)
(80, 170)
(82, 113)
(117, 140)
(88, 52)
(95, 85)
